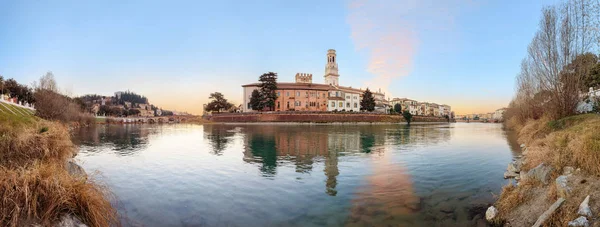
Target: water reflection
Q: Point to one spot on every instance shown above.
(300, 175)
(218, 137)
(125, 140)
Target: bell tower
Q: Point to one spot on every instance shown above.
(331, 69)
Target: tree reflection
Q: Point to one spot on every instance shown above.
(219, 136)
(125, 139)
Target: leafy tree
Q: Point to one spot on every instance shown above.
(398, 108)
(447, 118)
(133, 112)
(256, 100)
(218, 102)
(407, 116)
(268, 89)
(368, 101)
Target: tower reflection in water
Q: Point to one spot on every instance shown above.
(303, 145)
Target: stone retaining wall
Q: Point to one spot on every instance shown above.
(319, 118)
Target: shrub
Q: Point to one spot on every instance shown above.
(43, 129)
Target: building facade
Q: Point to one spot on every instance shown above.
(304, 95)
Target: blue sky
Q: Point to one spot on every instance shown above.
(462, 53)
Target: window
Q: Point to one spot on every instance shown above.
(348, 105)
(287, 94)
(355, 105)
(297, 93)
(278, 94)
(278, 105)
(347, 97)
(249, 107)
(341, 104)
(288, 103)
(323, 95)
(337, 94)
(332, 104)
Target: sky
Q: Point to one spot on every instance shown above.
(463, 53)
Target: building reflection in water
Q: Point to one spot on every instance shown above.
(125, 140)
(272, 145)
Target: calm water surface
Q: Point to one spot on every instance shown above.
(299, 175)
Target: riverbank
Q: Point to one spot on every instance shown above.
(40, 184)
(559, 168)
(319, 117)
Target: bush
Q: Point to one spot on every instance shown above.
(43, 129)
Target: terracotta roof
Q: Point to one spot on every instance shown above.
(303, 86)
(312, 86)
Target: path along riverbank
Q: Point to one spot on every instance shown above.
(557, 178)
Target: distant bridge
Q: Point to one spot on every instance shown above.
(151, 120)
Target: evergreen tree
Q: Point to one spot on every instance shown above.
(407, 116)
(218, 102)
(268, 89)
(398, 108)
(256, 100)
(368, 101)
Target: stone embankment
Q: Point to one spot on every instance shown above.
(324, 117)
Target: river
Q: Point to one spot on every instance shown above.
(299, 175)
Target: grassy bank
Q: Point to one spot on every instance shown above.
(569, 142)
(35, 187)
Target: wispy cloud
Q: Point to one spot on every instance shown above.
(388, 33)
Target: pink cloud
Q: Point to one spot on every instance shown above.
(387, 32)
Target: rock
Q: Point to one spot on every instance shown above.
(562, 186)
(522, 175)
(584, 207)
(70, 221)
(567, 170)
(509, 174)
(514, 167)
(540, 172)
(522, 145)
(75, 170)
(491, 213)
(580, 221)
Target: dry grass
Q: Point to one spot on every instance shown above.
(513, 196)
(23, 145)
(34, 185)
(45, 192)
(572, 141)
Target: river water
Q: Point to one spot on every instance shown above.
(299, 175)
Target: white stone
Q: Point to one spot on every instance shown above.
(491, 213)
(562, 187)
(70, 221)
(584, 207)
(580, 221)
(568, 170)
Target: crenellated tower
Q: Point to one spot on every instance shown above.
(304, 78)
(331, 69)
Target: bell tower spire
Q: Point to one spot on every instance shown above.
(331, 69)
